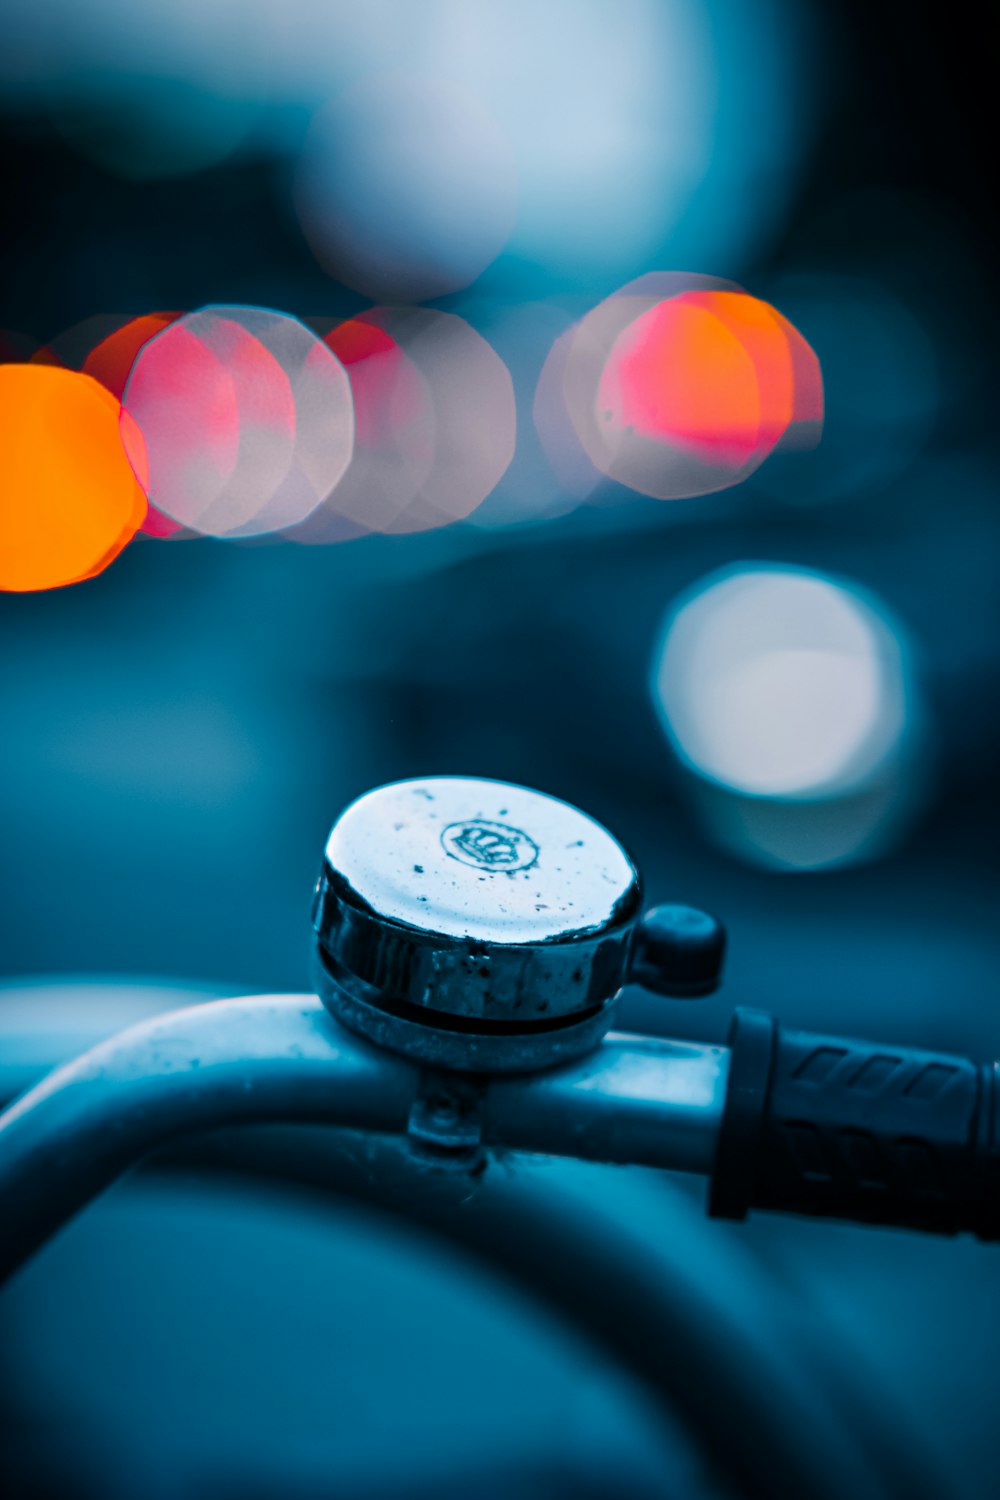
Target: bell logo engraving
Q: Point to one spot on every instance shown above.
(494, 847)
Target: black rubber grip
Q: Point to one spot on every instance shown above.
(856, 1130)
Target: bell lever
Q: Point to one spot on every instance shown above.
(678, 951)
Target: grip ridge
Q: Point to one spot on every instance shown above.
(855, 1130)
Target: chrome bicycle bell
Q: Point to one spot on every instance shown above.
(485, 927)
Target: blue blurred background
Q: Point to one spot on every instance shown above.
(179, 732)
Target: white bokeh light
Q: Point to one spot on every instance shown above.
(436, 424)
(791, 693)
(246, 417)
(628, 126)
(406, 188)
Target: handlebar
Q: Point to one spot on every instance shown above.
(777, 1120)
(283, 1058)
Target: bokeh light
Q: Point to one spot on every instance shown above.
(393, 436)
(788, 693)
(474, 414)
(436, 424)
(533, 489)
(682, 385)
(110, 361)
(106, 346)
(247, 420)
(406, 188)
(630, 126)
(70, 499)
(627, 127)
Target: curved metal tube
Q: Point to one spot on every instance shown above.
(284, 1058)
(232, 1061)
(640, 1100)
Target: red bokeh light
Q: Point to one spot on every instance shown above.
(111, 363)
(386, 387)
(111, 360)
(685, 393)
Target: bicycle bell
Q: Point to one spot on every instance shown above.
(484, 927)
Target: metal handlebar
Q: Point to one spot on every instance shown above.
(780, 1120)
(283, 1058)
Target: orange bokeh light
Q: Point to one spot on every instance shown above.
(756, 326)
(109, 356)
(682, 385)
(679, 374)
(70, 501)
(719, 373)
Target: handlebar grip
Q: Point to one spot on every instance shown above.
(855, 1130)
